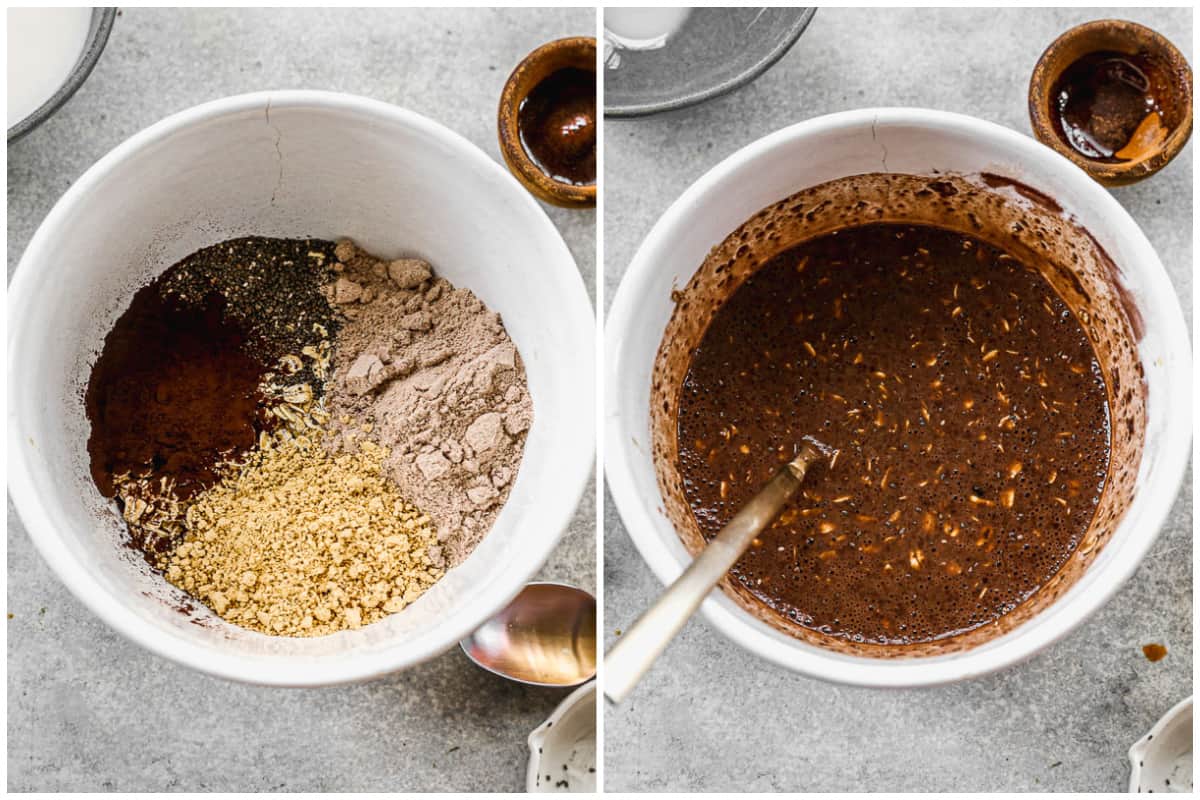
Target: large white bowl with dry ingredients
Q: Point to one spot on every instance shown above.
(291, 164)
(925, 143)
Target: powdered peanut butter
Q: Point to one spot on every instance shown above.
(301, 543)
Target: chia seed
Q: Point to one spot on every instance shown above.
(272, 290)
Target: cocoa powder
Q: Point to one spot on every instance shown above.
(174, 391)
(440, 385)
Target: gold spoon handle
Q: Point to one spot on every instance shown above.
(644, 642)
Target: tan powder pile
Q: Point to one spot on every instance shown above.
(440, 384)
(301, 543)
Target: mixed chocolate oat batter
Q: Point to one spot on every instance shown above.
(966, 409)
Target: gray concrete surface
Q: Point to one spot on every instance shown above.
(88, 710)
(710, 716)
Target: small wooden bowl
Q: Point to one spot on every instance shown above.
(1123, 37)
(578, 52)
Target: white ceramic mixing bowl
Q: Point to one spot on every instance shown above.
(290, 164)
(911, 141)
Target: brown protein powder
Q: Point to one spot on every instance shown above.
(435, 376)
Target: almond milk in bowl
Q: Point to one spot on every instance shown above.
(847, 172)
(290, 165)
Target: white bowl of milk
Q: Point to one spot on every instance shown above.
(51, 52)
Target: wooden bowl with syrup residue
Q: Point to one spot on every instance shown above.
(538, 71)
(1152, 58)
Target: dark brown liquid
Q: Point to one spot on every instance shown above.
(1108, 105)
(557, 123)
(967, 409)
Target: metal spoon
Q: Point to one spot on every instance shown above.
(545, 637)
(641, 645)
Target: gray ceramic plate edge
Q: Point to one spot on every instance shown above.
(724, 87)
(102, 23)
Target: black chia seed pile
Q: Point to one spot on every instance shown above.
(272, 290)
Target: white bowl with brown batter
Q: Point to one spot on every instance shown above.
(910, 166)
(291, 164)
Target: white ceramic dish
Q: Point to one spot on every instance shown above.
(1161, 761)
(912, 141)
(291, 164)
(562, 750)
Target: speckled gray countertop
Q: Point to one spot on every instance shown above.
(88, 710)
(712, 717)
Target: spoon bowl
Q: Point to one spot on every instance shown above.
(545, 637)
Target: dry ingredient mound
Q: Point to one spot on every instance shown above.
(298, 542)
(438, 382)
(367, 443)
